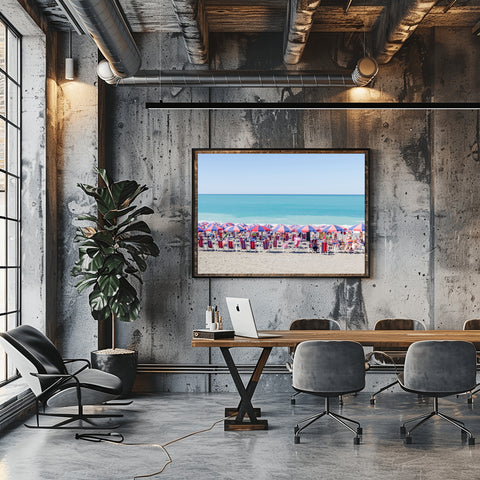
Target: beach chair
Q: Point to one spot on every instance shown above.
(209, 244)
(266, 245)
(200, 242)
(243, 245)
(324, 247)
(231, 246)
(253, 245)
(220, 244)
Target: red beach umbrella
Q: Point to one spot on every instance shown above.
(234, 229)
(359, 227)
(258, 228)
(213, 227)
(306, 228)
(333, 229)
(281, 229)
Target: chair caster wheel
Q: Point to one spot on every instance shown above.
(360, 431)
(408, 440)
(471, 441)
(356, 441)
(372, 401)
(403, 430)
(296, 439)
(292, 401)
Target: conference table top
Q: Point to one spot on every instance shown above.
(291, 338)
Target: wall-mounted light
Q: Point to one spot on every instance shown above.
(69, 70)
(476, 29)
(365, 71)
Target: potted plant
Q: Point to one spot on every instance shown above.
(112, 254)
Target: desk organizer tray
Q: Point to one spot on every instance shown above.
(213, 334)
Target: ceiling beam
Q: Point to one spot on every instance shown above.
(193, 23)
(297, 29)
(395, 25)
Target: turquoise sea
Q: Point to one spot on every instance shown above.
(287, 209)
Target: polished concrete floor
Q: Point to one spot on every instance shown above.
(326, 450)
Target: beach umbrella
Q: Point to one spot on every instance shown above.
(333, 229)
(319, 228)
(225, 225)
(294, 228)
(306, 228)
(281, 229)
(258, 228)
(200, 228)
(213, 227)
(234, 229)
(359, 227)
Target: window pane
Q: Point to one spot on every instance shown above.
(12, 102)
(2, 143)
(3, 291)
(3, 362)
(3, 241)
(2, 46)
(13, 153)
(3, 92)
(3, 199)
(12, 197)
(12, 250)
(12, 58)
(12, 289)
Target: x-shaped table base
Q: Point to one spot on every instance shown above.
(245, 406)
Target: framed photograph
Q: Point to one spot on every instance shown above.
(280, 213)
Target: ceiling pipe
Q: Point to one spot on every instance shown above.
(105, 23)
(203, 78)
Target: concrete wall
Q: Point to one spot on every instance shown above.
(424, 213)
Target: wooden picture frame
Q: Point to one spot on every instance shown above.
(280, 213)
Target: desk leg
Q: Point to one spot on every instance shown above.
(245, 406)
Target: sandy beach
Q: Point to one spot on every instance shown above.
(281, 263)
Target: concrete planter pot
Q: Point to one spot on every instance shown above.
(119, 362)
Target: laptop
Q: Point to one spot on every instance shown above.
(241, 315)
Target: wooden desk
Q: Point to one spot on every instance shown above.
(291, 338)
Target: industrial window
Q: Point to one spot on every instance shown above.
(10, 113)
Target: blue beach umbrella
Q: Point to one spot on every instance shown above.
(306, 228)
(213, 227)
(281, 229)
(234, 229)
(359, 227)
(333, 229)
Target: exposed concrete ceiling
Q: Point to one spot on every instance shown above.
(390, 21)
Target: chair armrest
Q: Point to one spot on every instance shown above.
(61, 378)
(71, 360)
(369, 356)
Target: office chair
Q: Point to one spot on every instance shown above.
(394, 355)
(472, 324)
(328, 369)
(44, 371)
(309, 324)
(438, 368)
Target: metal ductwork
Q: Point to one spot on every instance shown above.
(108, 28)
(203, 78)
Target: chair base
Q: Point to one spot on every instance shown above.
(71, 418)
(373, 397)
(339, 418)
(423, 418)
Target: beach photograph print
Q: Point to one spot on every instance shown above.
(280, 213)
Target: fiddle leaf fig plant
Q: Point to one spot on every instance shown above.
(114, 250)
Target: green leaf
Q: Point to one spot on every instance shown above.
(82, 285)
(114, 213)
(88, 217)
(97, 300)
(109, 284)
(140, 226)
(137, 213)
(114, 263)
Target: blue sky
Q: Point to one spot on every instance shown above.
(281, 173)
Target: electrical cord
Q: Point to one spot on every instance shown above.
(118, 439)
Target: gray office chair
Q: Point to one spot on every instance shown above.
(438, 368)
(45, 372)
(473, 324)
(394, 355)
(308, 324)
(328, 369)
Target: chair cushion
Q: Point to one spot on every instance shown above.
(96, 387)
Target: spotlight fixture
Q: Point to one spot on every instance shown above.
(476, 29)
(69, 71)
(365, 71)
